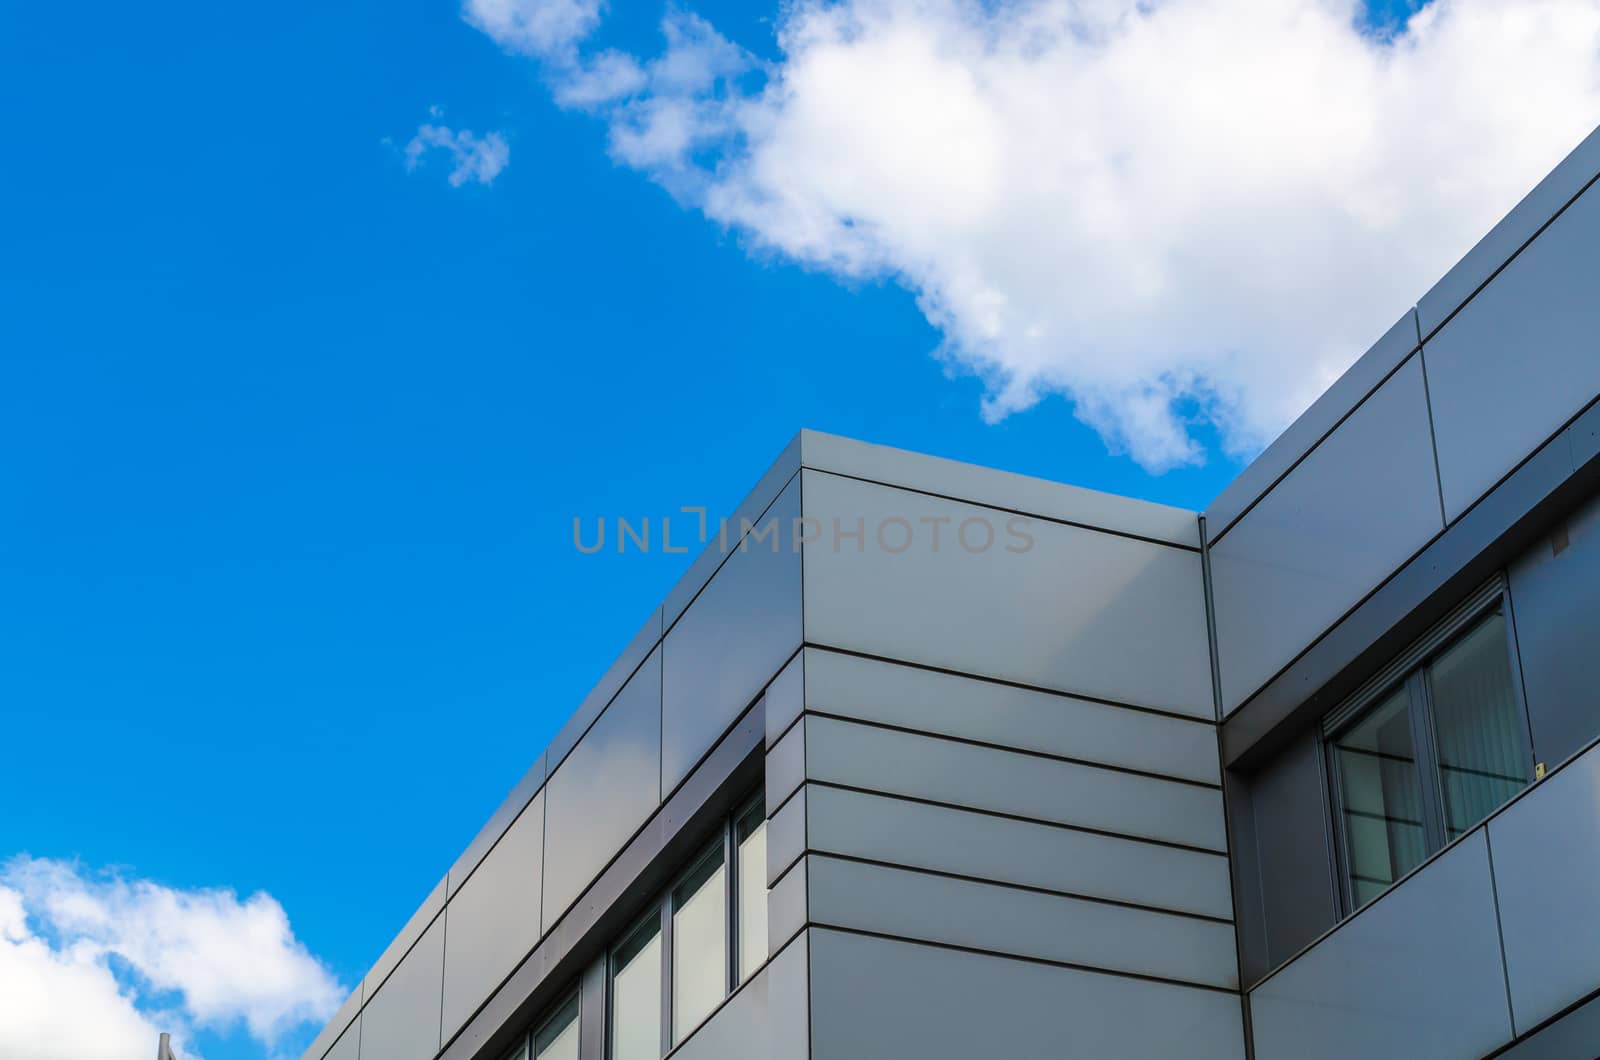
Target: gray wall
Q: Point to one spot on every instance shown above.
(1080, 610)
(1555, 597)
(1060, 844)
(1486, 942)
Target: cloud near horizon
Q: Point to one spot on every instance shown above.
(94, 965)
(1178, 214)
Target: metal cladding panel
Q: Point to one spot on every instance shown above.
(767, 1019)
(604, 691)
(1360, 505)
(1515, 229)
(1519, 360)
(401, 1021)
(917, 835)
(493, 920)
(1002, 489)
(1416, 973)
(786, 835)
(788, 907)
(1347, 392)
(347, 1016)
(974, 709)
(999, 919)
(1555, 593)
(385, 964)
(730, 641)
(1022, 599)
(606, 789)
(984, 778)
(1546, 860)
(348, 1047)
(1291, 823)
(874, 997)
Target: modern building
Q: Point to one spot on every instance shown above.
(929, 761)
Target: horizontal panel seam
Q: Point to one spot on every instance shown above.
(1044, 961)
(1004, 815)
(1009, 683)
(1057, 520)
(989, 881)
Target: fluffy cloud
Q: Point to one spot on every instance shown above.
(1170, 211)
(474, 158)
(91, 964)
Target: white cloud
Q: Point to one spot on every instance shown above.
(1168, 210)
(477, 159)
(93, 965)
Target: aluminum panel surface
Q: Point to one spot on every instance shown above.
(608, 786)
(983, 778)
(917, 835)
(493, 920)
(1519, 360)
(1038, 603)
(973, 709)
(730, 642)
(1416, 973)
(875, 997)
(1360, 505)
(994, 918)
(1546, 850)
(401, 1021)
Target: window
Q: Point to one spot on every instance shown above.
(556, 1038)
(699, 944)
(705, 936)
(750, 836)
(636, 994)
(1432, 747)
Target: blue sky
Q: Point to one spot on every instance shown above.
(296, 434)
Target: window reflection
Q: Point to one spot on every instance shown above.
(636, 995)
(1477, 725)
(699, 944)
(1382, 801)
(751, 836)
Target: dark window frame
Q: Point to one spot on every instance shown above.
(1411, 671)
(661, 906)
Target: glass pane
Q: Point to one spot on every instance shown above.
(1477, 725)
(558, 1038)
(1380, 799)
(699, 945)
(636, 996)
(752, 838)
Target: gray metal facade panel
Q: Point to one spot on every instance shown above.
(736, 1031)
(974, 709)
(401, 1021)
(1003, 489)
(729, 643)
(1575, 1036)
(322, 1045)
(531, 783)
(1292, 826)
(1301, 436)
(772, 482)
(1416, 973)
(788, 907)
(785, 699)
(876, 997)
(786, 834)
(604, 691)
(493, 921)
(1496, 248)
(1555, 595)
(1354, 511)
(1519, 360)
(881, 828)
(1546, 850)
(348, 1047)
(1061, 614)
(984, 778)
(603, 792)
(786, 767)
(994, 918)
(430, 908)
